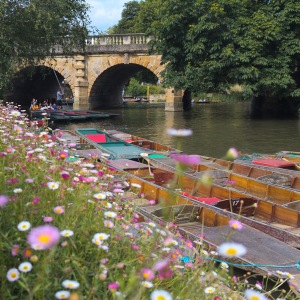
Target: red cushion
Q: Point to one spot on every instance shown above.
(276, 163)
(129, 141)
(211, 200)
(97, 137)
(208, 200)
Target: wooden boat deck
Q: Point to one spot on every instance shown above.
(261, 248)
(82, 148)
(106, 143)
(278, 221)
(255, 187)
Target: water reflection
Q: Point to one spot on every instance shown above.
(216, 128)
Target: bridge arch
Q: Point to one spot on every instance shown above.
(110, 74)
(40, 82)
(105, 56)
(64, 66)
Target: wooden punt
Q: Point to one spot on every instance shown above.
(284, 178)
(272, 218)
(141, 142)
(70, 115)
(278, 176)
(277, 188)
(212, 220)
(195, 220)
(110, 145)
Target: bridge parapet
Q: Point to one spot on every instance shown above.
(118, 39)
(117, 43)
(113, 43)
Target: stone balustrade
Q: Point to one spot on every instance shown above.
(112, 43)
(118, 39)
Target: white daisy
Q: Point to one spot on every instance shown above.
(110, 214)
(147, 284)
(24, 226)
(25, 267)
(13, 274)
(106, 204)
(66, 233)
(53, 185)
(62, 295)
(232, 249)
(99, 238)
(70, 284)
(99, 196)
(15, 113)
(254, 295)
(160, 295)
(209, 290)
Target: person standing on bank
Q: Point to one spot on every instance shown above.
(59, 98)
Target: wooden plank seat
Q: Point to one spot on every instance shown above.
(274, 213)
(295, 205)
(276, 178)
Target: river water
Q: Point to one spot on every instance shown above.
(216, 127)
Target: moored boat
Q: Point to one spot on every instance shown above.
(69, 115)
(274, 219)
(209, 221)
(196, 220)
(110, 145)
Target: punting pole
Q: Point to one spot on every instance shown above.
(61, 89)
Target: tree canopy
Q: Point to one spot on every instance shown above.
(127, 23)
(31, 28)
(210, 45)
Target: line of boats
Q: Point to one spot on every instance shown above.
(266, 199)
(69, 115)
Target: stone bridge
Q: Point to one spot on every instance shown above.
(97, 77)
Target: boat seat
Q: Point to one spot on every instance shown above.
(207, 200)
(275, 163)
(97, 137)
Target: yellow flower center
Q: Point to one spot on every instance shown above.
(254, 298)
(43, 238)
(13, 275)
(160, 297)
(231, 251)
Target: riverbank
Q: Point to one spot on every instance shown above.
(69, 229)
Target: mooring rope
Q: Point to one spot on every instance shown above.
(187, 259)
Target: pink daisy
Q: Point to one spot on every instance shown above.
(43, 237)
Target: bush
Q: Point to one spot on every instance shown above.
(135, 89)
